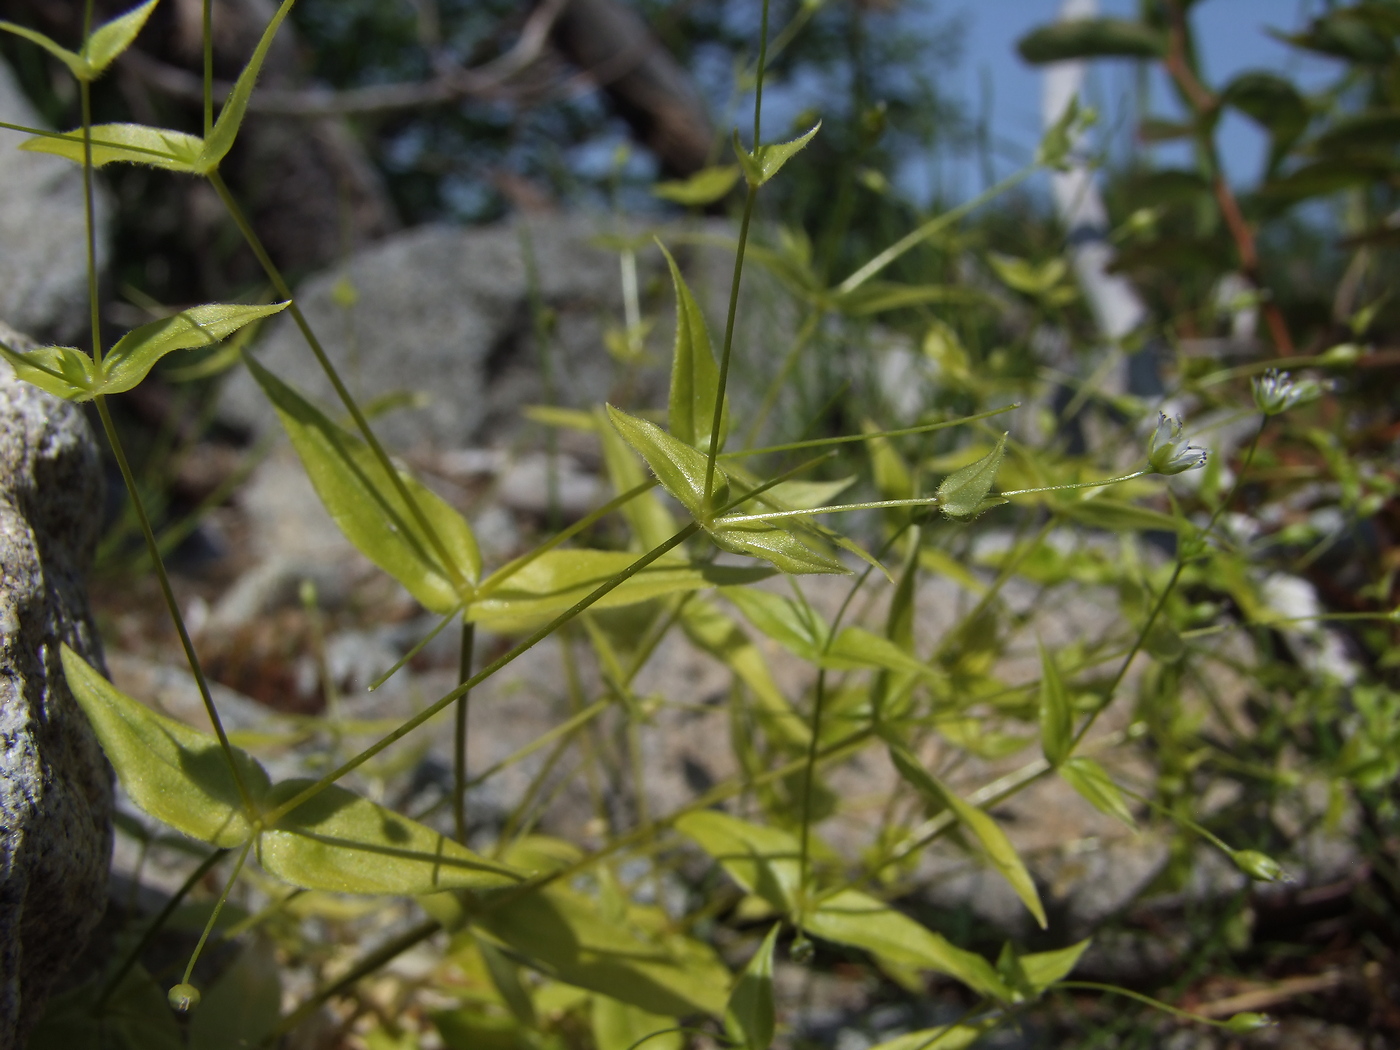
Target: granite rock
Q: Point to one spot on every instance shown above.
(55, 784)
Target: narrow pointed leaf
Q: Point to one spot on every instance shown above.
(862, 921)
(1056, 716)
(944, 1037)
(994, 842)
(652, 524)
(127, 144)
(1042, 969)
(772, 543)
(566, 936)
(558, 579)
(174, 773)
(63, 371)
(1092, 781)
(855, 647)
(762, 860)
(110, 40)
(804, 495)
(723, 639)
(797, 628)
(749, 1016)
(694, 374)
(137, 352)
(678, 466)
(76, 64)
(619, 1026)
(361, 498)
(236, 107)
(962, 494)
(770, 159)
(704, 187)
(343, 843)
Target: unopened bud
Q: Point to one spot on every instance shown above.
(183, 998)
(1258, 866)
(1243, 1023)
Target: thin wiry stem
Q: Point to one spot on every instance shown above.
(459, 739)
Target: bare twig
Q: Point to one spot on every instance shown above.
(1257, 999)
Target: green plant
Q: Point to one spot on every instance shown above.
(556, 946)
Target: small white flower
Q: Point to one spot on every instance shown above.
(1167, 453)
(1276, 392)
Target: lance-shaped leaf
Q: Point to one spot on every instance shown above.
(565, 935)
(678, 466)
(963, 494)
(1056, 717)
(995, 844)
(694, 374)
(862, 921)
(652, 524)
(1042, 969)
(749, 1016)
(110, 40)
(1092, 38)
(76, 64)
(125, 143)
(797, 628)
(225, 129)
(343, 843)
(704, 187)
(64, 371)
(362, 499)
(788, 551)
(722, 638)
(1092, 781)
(176, 774)
(620, 1026)
(558, 579)
(855, 647)
(137, 352)
(767, 161)
(944, 1037)
(761, 859)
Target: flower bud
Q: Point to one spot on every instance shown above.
(1258, 866)
(1276, 392)
(1167, 453)
(183, 998)
(1244, 1023)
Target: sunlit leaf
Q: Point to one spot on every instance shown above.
(1056, 715)
(749, 1016)
(77, 65)
(1091, 38)
(797, 628)
(694, 374)
(558, 579)
(995, 844)
(786, 550)
(1027, 277)
(804, 495)
(63, 371)
(678, 466)
(1092, 781)
(769, 160)
(566, 936)
(652, 524)
(365, 504)
(856, 647)
(963, 494)
(341, 842)
(862, 921)
(619, 1026)
(761, 859)
(172, 772)
(137, 352)
(944, 1037)
(704, 187)
(1042, 969)
(110, 40)
(225, 130)
(127, 144)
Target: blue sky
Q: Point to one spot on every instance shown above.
(1232, 35)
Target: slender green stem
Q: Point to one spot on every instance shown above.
(90, 211)
(882, 504)
(1077, 485)
(208, 32)
(459, 740)
(279, 283)
(417, 648)
(218, 907)
(1147, 1000)
(933, 226)
(844, 439)
(758, 78)
(156, 925)
(727, 350)
(174, 607)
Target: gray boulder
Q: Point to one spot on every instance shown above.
(43, 232)
(55, 784)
